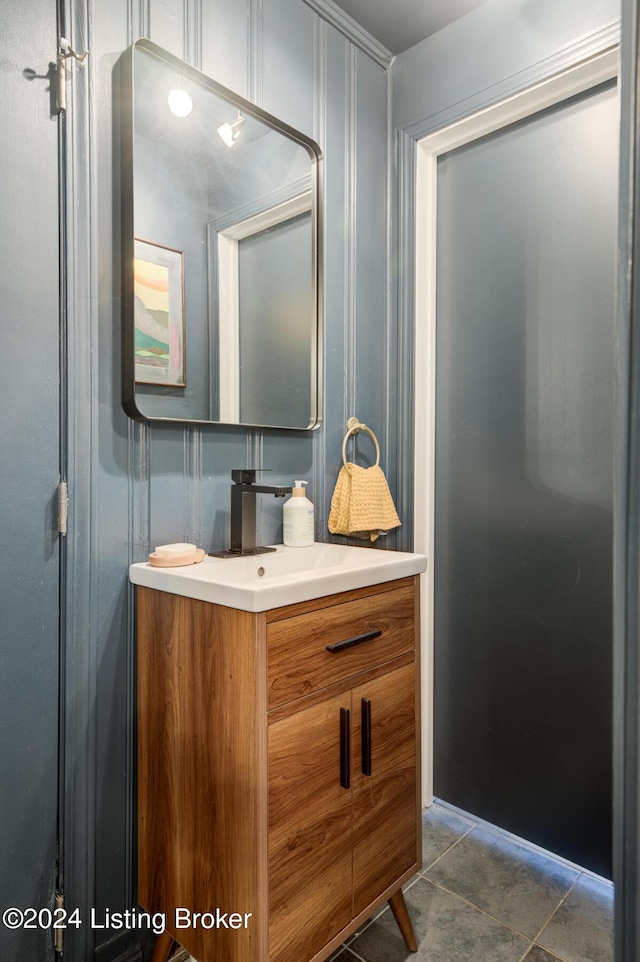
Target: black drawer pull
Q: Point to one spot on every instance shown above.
(345, 748)
(357, 640)
(366, 735)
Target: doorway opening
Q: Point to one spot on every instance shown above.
(456, 589)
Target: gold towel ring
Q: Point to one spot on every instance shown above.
(353, 426)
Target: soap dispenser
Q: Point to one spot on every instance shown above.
(297, 518)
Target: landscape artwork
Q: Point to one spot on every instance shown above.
(159, 323)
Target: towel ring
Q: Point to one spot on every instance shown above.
(353, 426)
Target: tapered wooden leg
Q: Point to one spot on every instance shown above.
(399, 908)
(162, 948)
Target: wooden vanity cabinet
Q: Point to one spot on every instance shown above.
(278, 767)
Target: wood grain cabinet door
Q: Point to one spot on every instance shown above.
(310, 830)
(383, 753)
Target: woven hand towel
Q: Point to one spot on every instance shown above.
(362, 505)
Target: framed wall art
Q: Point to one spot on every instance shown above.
(159, 315)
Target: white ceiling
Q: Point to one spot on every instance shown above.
(399, 24)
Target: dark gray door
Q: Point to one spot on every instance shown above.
(29, 468)
(523, 554)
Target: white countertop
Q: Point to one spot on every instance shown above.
(284, 577)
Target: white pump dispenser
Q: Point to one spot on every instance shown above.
(297, 518)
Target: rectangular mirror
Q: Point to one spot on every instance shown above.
(220, 253)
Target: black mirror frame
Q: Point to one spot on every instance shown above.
(124, 100)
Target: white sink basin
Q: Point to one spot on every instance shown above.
(283, 577)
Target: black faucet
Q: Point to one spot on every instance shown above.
(243, 512)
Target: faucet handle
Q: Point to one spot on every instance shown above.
(245, 475)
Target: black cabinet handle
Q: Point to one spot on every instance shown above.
(345, 748)
(365, 707)
(356, 640)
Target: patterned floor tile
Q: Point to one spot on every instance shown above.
(582, 928)
(508, 880)
(446, 929)
(538, 954)
(441, 828)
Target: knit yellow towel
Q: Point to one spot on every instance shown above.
(362, 505)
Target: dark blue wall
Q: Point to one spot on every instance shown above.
(497, 50)
(137, 485)
(29, 473)
(132, 485)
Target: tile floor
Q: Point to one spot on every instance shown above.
(484, 896)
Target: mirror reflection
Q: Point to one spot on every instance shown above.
(220, 241)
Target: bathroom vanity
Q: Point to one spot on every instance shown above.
(278, 753)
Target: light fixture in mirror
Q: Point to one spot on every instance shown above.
(220, 248)
(230, 132)
(180, 103)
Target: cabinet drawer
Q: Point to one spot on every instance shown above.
(362, 633)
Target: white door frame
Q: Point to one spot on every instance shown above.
(574, 80)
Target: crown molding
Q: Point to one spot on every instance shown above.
(352, 30)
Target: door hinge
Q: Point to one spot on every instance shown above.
(65, 51)
(58, 936)
(63, 507)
